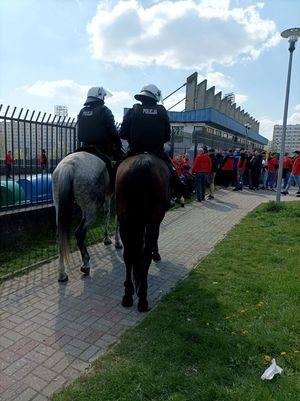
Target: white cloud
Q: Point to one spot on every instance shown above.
(65, 91)
(185, 34)
(73, 95)
(217, 79)
(240, 99)
(295, 117)
(267, 125)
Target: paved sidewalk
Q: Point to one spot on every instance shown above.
(50, 332)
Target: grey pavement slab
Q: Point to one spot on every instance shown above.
(51, 332)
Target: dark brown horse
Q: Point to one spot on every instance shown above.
(142, 195)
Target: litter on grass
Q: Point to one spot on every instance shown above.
(271, 371)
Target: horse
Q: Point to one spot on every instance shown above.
(142, 198)
(80, 178)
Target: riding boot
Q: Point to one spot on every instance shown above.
(178, 188)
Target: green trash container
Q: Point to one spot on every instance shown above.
(11, 193)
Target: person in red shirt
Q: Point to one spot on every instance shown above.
(177, 162)
(185, 164)
(201, 168)
(43, 159)
(242, 163)
(286, 168)
(273, 164)
(8, 164)
(227, 168)
(295, 175)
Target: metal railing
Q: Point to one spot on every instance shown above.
(184, 142)
(25, 178)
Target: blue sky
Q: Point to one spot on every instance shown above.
(52, 51)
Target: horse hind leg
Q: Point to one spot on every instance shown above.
(80, 235)
(107, 204)
(62, 275)
(155, 254)
(127, 300)
(129, 255)
(118, 242)
(151, 240)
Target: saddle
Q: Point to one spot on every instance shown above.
(93, 150)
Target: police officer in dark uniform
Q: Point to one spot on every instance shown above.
(96, 128)
(146, 127)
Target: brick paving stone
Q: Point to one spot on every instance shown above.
(6, 381)
(40, 397)
(8, 356)
(60, 329)
(13, 367)
(35, 382)
(63, 363)
(54, 385)
(14, 391)
(45, 373)
(88, 353)
(70, 349)
(52, 361)
(6, 342)
(36, 356)
(25, 348)
(26, 395)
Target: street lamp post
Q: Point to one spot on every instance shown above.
(247, 127)
(292, 35)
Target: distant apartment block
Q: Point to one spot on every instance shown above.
(60, 110)
(292, 139)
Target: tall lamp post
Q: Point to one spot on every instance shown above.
(247, 127)
(292, 35)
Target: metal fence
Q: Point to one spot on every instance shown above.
(25, 177)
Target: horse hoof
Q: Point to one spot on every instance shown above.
(118, 246)
(156, 257)
(127, 301)
(107, 241)
(63, 279)
(143, 306)
(85, 270)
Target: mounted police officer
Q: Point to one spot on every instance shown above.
(146, 127)
(96, 128)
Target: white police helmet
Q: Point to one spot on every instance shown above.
(150, 91)
(96, 93)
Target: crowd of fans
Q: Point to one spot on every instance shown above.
(256, 170)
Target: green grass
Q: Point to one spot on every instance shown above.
(208, 340)
(40, 244)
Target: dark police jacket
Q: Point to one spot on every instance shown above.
(96, 126)
(146, 127)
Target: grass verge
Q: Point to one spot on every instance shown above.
(39, 245)
(212, 337)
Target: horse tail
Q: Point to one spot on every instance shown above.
(65, 209)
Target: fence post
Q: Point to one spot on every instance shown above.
(172, 144)
(195, 135)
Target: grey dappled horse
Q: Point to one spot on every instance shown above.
(82, 178)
